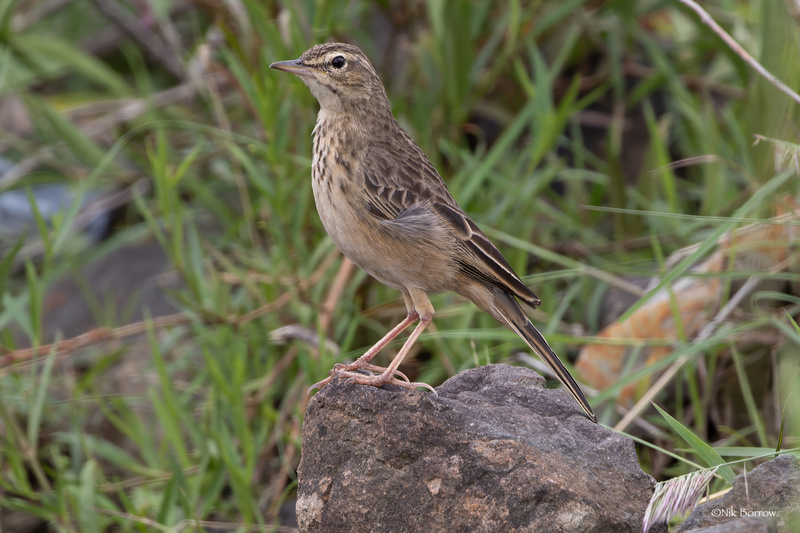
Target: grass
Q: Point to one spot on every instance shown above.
(555, 125)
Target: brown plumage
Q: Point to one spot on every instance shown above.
(388, 210)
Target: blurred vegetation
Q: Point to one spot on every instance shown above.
(165, 117)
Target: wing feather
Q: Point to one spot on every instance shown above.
(393, 187)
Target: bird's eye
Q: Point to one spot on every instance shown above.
(338, 62)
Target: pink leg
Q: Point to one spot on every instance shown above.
(380, 345)
(363, 362)
(388, 375)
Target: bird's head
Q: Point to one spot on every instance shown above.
(339, 76)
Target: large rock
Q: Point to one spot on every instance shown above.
(495, 451)
(768, 497)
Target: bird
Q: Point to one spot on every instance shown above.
(388, 210)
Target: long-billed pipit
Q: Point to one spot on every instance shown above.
(388, 210)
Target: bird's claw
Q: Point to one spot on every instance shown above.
(338, 367)
(318, 385)
(341, 367)
(377, 381)
(352, 376)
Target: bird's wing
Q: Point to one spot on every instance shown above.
(402, 184)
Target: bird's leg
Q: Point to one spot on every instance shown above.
(363, 362)
(388, 375)
(415, 299)
(418, 306)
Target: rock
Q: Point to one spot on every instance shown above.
(495, 451)
(741, 525)
(18, 216)
(769, 494)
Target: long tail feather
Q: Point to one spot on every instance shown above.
(509, 309)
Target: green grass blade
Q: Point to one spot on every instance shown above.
(37, 406)
(706, 452)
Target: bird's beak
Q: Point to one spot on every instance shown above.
(293, 66)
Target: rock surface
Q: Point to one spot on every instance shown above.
(495, 451)
(770, 494)
(741, 525)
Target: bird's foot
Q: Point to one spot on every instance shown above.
(352, 369)
(356, 365)
(353, 376)
(380, 379)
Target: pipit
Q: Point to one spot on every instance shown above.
(388, 210)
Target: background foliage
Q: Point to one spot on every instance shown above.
(195, 293)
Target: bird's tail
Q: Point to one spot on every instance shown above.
(509, 312)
